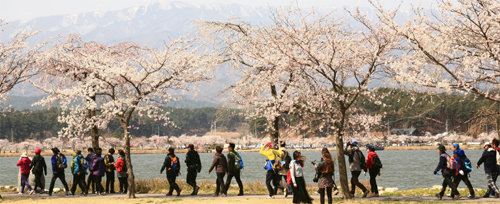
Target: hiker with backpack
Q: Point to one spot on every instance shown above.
(24, 165)
(356, 164)
(234, 165)
(325, 171)
(490, 168)
(272, 163)
(447, 165)
(193, 164)
(89, 159)
(285, 161)
(300, 194)
(78, 171)
(463, 169)
(59, 163)
(494, 145)
(39, 167)
(121, 171)
(173, 167)
(109, 162)
(373, 164)
(220, 164)
(98, 169)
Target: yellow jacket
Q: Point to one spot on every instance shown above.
(270, 154)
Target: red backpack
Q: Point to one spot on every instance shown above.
(289, 178)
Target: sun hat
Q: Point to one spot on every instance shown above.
(24, 154)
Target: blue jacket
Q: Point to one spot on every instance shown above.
(79, 166)
(90, 160)
(442, 163)
(55, 169)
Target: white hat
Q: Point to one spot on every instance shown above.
(487, 144)
(24, 154)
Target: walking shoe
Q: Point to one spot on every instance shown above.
(456, 197)
(486, 195)
(32, 192)
(179, 193)
(224, 195)
(19, 193)
(497, 195)
(216, 195)
(169, 194)
(196, 189)
(365, 194)
(439, 196)
(286, 193)
(472, 197)
(240, 194)
(374, 195)
(336, 191)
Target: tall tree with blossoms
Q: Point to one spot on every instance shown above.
(455, 47)
(326, 65)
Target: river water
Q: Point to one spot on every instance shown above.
(402, 169)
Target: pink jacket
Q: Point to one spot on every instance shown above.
(24, 163)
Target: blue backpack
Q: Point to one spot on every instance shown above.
(239, 161)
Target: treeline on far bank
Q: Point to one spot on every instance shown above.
(402, 109)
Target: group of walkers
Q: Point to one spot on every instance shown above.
(280, 166)
(97, 168)
(457, 168)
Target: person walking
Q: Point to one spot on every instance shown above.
(447, 166)
(300, 194)
(193, 164)
(24, 165)
(490, 168)
(220, 164)
(356, 164)
(89, 159)
(494, 145)
(373, 164)
(121, 170)
(272, 156)
(39, 167)
(462, 173)
(234, 168)
(109, 161)
(59, 163)
(325, 169)
(173, 167)
(78, 170)
(286, 159)
(98, 169)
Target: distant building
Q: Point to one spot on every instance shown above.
(406, 131)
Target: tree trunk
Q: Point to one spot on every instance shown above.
(275, 134)
(498, 121)
(344, 182)
(130, 170)
(94, 132)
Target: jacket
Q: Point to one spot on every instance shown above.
(490, 161)
(295, 171)
(121, 167)
(219, 163)
(460, 158)
(98, 166)
(443, 160)
(231, 162)
(193, 161)
(79, 166)
(369, 159)
(271, 156)
(24, 164)
(55, 168)
(167, 164)
(109, 161)
(356, 159)
(285, 155)
(38, 165)
(90, 160)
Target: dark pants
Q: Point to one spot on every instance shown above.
(90, 182)
(464, 178)
(328, 194)
(272, 177)
(123, 184)
(191, 177)
(80, 181)
(220, 184)
(24, 182)
(110, 182)
(236, 176)
(373, 182)
(53, 181)
(289, 187)
(448, 181)
(38, 181)
(355, 182)
(173, 186)
(98, 185)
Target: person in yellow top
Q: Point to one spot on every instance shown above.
(272, 167)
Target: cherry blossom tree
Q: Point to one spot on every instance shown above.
(4, 144)
(453, 48)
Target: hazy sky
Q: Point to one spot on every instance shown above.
(11, 10)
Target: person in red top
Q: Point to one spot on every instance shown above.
(121, 169)
(24, 164)
(373, 170)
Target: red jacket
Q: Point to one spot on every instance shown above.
(119, 164)
(24, 163)
(369, 159)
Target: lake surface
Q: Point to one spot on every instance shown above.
(402, 169)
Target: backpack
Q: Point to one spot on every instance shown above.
(362, 162)
(61, 162)
(174, 163)
(238, 163)
(376, 162)
(289, 178)
(451, 162)
(287, 159)
(278, 165)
